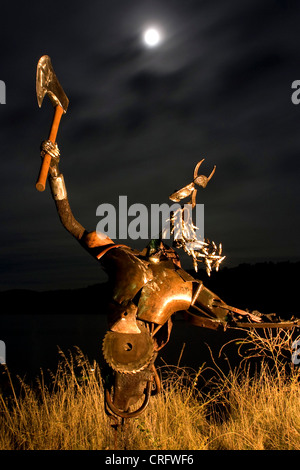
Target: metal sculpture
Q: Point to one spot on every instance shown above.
(147, 287)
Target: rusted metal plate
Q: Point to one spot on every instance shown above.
(164, 295)
(127, 273)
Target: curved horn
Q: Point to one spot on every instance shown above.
(197, 168)
(212, 173)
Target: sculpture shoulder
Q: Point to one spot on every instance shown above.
(94, 240)
(126, 270)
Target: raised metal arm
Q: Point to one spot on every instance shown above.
(59, 192)
(88, 240)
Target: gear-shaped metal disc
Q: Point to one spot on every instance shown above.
(128, 353)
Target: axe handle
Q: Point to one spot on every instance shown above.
(41, 182)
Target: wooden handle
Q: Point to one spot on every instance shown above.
(41, 182)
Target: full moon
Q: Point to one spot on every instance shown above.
(152, 37)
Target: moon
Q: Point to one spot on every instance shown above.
(151, 37)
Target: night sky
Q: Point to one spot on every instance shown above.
(217, 87)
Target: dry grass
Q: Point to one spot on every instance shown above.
(244, 409)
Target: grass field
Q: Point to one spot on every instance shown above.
(256, 406)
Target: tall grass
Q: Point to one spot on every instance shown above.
(254, 408)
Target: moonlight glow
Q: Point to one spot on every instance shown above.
(152, 37)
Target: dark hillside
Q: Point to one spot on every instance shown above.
(268, 287)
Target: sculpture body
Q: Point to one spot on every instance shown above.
(146, 288)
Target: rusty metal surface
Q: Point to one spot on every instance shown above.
(165, 294)
(202, 322)
(127, 273)
(287, 325)
(123, 318)
(68, 220)
(127, 391)
(207, 301)
(129, 353)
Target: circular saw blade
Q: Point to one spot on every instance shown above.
(128, 353)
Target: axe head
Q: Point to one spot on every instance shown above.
(47, 83)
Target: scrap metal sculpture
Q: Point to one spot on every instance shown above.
(147, 287)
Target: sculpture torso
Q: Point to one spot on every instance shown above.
(155, 288)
